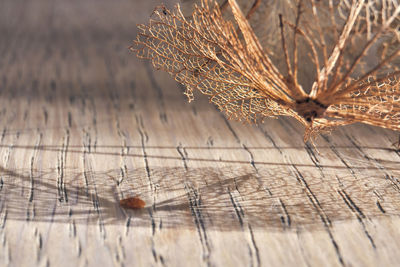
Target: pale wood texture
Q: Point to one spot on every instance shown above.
(84, 124)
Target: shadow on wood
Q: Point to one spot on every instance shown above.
(277, 196)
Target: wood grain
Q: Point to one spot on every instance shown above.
(84, 124)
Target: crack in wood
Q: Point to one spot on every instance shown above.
(324, 218)
(195, 208)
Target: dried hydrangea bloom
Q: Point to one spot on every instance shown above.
(325, 63)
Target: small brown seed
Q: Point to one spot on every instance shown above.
(132, 203)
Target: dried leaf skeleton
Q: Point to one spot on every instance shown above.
(325, 63)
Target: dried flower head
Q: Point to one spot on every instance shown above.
(325, 63)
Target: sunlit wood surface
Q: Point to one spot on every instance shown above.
(84, 124)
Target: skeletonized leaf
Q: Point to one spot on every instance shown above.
(325, 63)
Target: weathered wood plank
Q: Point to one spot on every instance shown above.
(83, 124)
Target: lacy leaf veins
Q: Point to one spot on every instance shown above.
(325, 63)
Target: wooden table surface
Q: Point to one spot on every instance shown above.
(84, 123)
